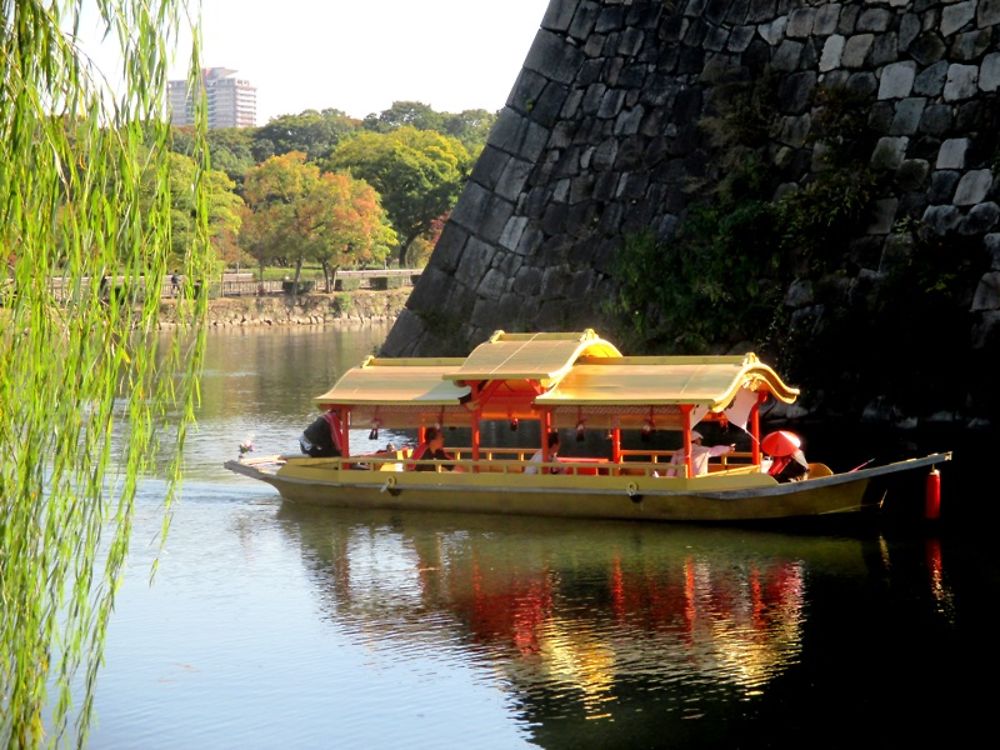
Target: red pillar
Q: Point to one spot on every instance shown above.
(345, 432)
(755, 426)
(475, 436)
(546, 429)
(688, 457)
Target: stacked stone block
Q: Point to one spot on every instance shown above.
(600, 138)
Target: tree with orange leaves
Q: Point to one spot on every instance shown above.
(298, 213)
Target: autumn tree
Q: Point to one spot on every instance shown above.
(422, 247)
(418, 173)
(358, 231)
(298, 213)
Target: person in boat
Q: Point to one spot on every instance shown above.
(699, 455)
(790, 468)
(786, 461)
(432, 448)
(537, 458)
(321, 439)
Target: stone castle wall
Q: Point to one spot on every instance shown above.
(600, 138)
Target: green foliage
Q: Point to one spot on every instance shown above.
(739, 133)
(717, 281)
(300, 214)
(840, 124)
(721, 278)
(224, 207)
(405, 114)
(418, 173)
(348, 284)
(384, 283)
(818, 221)
(229, 149)
(471, 126)
(342, 304)
(312, 133)
(745, 114)
(86, 386)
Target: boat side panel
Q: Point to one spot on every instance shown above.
(570, 503)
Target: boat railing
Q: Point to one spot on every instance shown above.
(733, 460)
(516, 461)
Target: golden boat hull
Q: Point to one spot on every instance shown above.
(738, 495)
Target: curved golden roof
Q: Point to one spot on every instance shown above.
(542, 357)
(712, 382)
(577, 369)
(401, 382)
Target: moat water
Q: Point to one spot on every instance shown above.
(271, 625)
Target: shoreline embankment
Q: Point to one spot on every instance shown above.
(306, 309)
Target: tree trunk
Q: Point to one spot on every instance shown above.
(404, 246)
(330, 275)
(295, 281)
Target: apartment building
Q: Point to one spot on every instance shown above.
(232, 102)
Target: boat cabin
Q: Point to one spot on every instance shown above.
(561, 381)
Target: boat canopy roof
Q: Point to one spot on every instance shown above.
(575, 376)
(709, 382)
(542, 357)
(397, 382)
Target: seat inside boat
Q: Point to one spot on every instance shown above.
(817, 470)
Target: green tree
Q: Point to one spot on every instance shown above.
(402, 114)
(471, 127)
(313, 133)
(78, 358)
(299, 213)
(418, 173)
(230, 149)
(221, 202)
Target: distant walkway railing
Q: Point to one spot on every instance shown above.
(244, 284)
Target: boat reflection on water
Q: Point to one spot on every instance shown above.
(576, 620)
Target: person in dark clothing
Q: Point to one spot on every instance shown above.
(432, 448)
(321, 439)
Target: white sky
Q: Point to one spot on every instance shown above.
(359, 56)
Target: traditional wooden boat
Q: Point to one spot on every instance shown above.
(577, 382)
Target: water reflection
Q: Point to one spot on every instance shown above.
(576, 619)
(273, 625)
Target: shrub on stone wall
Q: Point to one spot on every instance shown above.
(383, 283)
(348, 284)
